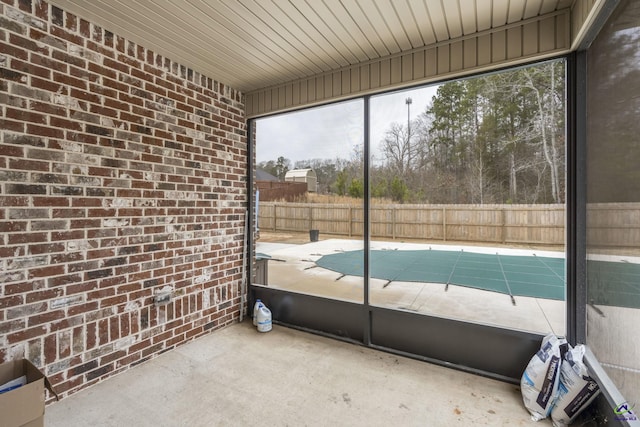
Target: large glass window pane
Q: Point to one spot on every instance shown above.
(309, 174)
(613, 198)
(468, 199)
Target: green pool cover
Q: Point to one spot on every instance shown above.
(613, 283)
(531, 276)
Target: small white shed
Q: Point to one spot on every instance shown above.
(303, 175)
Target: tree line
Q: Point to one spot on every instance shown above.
(498, 138)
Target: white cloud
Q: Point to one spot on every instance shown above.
(334, 130)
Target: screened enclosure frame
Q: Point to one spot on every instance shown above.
(450, 342)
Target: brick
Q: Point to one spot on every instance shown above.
(65, 35)
(82, 308)
(15, 239)
(11, 125)
(46, 248)
(85, 117)
(63, 56)
(66, 323)
(91, 335)
(78, 370)
(81, 287)
(50, 349)
(50, 201)
(45, 131)
(103, 111)
(118, 105)
(10, 301)
(27, 44)
(26, 334)
(26, 116)
(78, 340)
(47, 108)
(47, 87)
(71, 22)
(11, 75)
(46, 317)
(49, 225)
(97, 130)
(86, 223)
(103, 331)
(12, 226)
(12, 326)
(29, 165)
(85, 95)
(106, 272)
(64, 386)
(65, 124)
(68, 235)
(99, 372)
(108, 38)
(112, 357)
(68, 213)
(103, 71)
(69, 80)
(57, 16)
(13, 51)
(64, 344)
(25, 189)
(38, 154)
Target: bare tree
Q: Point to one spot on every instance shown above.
(395, 148)
(547, 122)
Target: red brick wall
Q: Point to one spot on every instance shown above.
(280, 190)
(121, 173)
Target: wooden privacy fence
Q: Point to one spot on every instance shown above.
(613, 225)
(609, 225)
(539, 224)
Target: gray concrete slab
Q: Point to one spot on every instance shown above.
(240, 377)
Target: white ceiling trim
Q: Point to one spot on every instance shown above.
(253, 44)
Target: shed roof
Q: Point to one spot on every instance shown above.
(298, 173)
(262, 175)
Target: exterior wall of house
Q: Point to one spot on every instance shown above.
(122, 174)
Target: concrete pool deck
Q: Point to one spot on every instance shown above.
(293, 268)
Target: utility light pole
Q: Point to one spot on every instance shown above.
(408, 101)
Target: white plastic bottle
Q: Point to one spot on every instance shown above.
(256, 307)
(264, 319)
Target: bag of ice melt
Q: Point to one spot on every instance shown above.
(539, 382)
(577, 389)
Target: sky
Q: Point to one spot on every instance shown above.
(334, 130)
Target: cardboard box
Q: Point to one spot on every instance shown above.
(23, 406)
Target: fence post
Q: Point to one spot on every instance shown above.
(350, 218)
(504, 225)
(275, 216)
(444, 223)
(310, 217)
(393, 222)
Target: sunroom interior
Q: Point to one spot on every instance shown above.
(291, 58)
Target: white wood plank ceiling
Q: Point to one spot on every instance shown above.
(253, 44)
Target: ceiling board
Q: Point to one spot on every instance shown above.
(253, 44)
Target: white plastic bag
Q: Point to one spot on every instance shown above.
(577, 389)
(540, 380)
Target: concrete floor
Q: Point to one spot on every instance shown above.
(240, 377)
